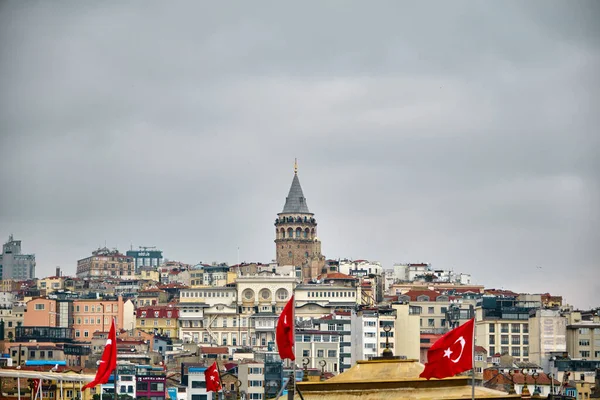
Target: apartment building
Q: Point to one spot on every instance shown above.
(340, 323)
(438, 313)
(336, 292)
(104, 263)
(158, 319)
(210, 315)
(502, 326)
(547, 335)
(81, 316)
(252, 377)
(318, 346)
(369, 336)
(583, 335)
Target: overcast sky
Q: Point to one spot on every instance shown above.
(461, 134)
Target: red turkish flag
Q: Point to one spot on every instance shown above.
(451, 354)
(213, 379)
(108, 363)
(284, 336)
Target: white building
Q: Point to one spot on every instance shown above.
(368, 334)
(196, 389)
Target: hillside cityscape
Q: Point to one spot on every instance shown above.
(173, 319)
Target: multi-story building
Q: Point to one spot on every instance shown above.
(337, 291)
(252, 377)
(502, 326)
(12, 316)
(106, 263)
(151, 382)
(210, 315)
(296, 241)
(369, 336)
(368, 272)
(261, 298)
(583, 335)
(196, 384)
(145, 257)
(547, 335)
(438, 312)
(339, 322)
(14, 264)
(318, 346)
(82, 317)
(161, 320)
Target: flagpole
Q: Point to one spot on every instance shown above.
(294, 322)
(473, 373)
(116, 365)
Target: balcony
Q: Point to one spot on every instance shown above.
(43, 334)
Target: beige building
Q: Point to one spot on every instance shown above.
(583, 336)
(252, 377)
(12, 317)
(106, 263)
(503, 336)
(437, 312)
(296, 241)
(407, 332)
(547, 335)
(318, 347)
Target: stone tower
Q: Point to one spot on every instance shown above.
(296, 240)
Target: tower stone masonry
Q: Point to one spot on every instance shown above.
(296, 241)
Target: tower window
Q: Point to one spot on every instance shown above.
(306, 254)
(290, 254)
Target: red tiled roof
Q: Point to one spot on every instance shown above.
(157, 312)
(480, 349)
(503, 379)
(214, 350)
(336, 275)
(413, 294)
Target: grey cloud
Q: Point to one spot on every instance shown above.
(464, 134)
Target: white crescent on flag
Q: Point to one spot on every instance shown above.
(462, 348)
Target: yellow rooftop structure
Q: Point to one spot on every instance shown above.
(393, 378)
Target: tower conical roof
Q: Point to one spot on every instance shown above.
(295, 201)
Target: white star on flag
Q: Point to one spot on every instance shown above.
(447, 352)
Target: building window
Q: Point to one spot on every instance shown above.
(157, 387)
(515, 340)
(584, 354)
(526, 339)
(40, 307)
(430, 310)
(331, 353)
(516, 328)
(431, 322)
(504, 328)
(584, 342)
(504, 350)
(492, 339)
(320, 353)
(504, 339)
(492, 350)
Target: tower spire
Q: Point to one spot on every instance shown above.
(295, 166)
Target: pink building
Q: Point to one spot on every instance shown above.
(86, 315)
(40, 312)
(95, 315)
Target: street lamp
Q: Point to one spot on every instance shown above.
(525, 390)
(536, 389)
(511, 375)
